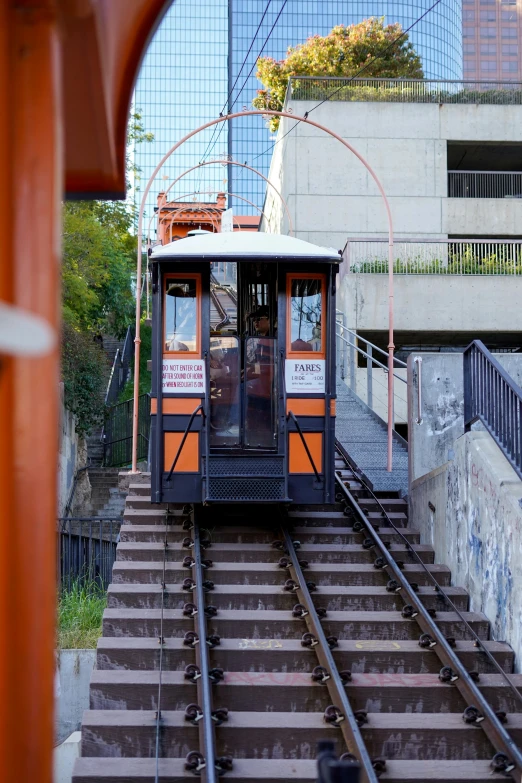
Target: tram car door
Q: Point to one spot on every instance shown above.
(243, 370)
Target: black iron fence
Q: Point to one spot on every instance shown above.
(120, 368)
(86, 550)
(117, 432)
(492, 397)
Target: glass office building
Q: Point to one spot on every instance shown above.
(192, 71)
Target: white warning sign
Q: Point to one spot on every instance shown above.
(305, 376)
(183, 375)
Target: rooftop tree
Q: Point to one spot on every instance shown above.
(343, 52)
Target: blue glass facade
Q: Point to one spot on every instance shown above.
(197, 53)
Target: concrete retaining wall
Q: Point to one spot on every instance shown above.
(470, 511)
(73, 677)
(331, 195)
(431, 443)
(71, 457)
(433, 303)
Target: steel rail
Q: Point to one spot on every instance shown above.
(207, 739)
(439, 588)
(336, 689)
(161, 641)
(500, 739)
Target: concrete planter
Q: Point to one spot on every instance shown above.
(73, 676)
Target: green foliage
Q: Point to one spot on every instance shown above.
(466, 262)
(98, 261)
(84, 372)
(343, 52)
(127, 392)
(80, 613)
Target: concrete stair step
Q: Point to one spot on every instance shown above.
(265, 573)
(269, 624)
(256, 535)
(261, 597)
(375, 692)
(268, 661)
(115, 770)
(268, 735)
(263, 553)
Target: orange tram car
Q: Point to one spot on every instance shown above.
(243, 370)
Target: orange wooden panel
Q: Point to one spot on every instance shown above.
(188, 461)
(103, 43)
(298, 458)
(305, 407)
(175, 405)
(31, 155)
(333, 407)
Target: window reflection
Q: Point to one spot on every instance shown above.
(180, 315)
(224, 391)
(306, 315)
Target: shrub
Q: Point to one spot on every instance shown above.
(80, 613)
(83, 372)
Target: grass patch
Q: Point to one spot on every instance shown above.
(80, 612)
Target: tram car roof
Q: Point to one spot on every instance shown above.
(245, 245)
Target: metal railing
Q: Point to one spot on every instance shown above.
(485, 184)
(369, 382)
(334, 88)
(120, 368)
(117, 433)
(492, 397)
(435, 257)
(86, 550)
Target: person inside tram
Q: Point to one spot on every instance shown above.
(260, 357)
(181, 312)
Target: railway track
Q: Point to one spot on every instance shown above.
(235, 640)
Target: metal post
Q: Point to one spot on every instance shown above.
(369, 376)
(353, 382)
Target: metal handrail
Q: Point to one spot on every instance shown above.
(418, 362)
(492, 397)
(358, 337)
(369, 356)
(184, 438)
(291, 415)
(111, 376)
(221, 310)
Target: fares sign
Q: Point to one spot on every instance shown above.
(183, 375)
(305, 376)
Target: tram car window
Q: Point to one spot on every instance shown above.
(243, 370)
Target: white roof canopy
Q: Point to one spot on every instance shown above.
(239, 244)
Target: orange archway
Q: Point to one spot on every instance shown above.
(67, 70)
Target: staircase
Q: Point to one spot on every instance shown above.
(365, 438)
(106, 499)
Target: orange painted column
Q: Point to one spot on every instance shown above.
(30, 184)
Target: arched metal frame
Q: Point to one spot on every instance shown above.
(243, 166)
(298, 118)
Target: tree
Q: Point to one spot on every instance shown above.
(99, 251)
(343, 52)
(98, 289)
